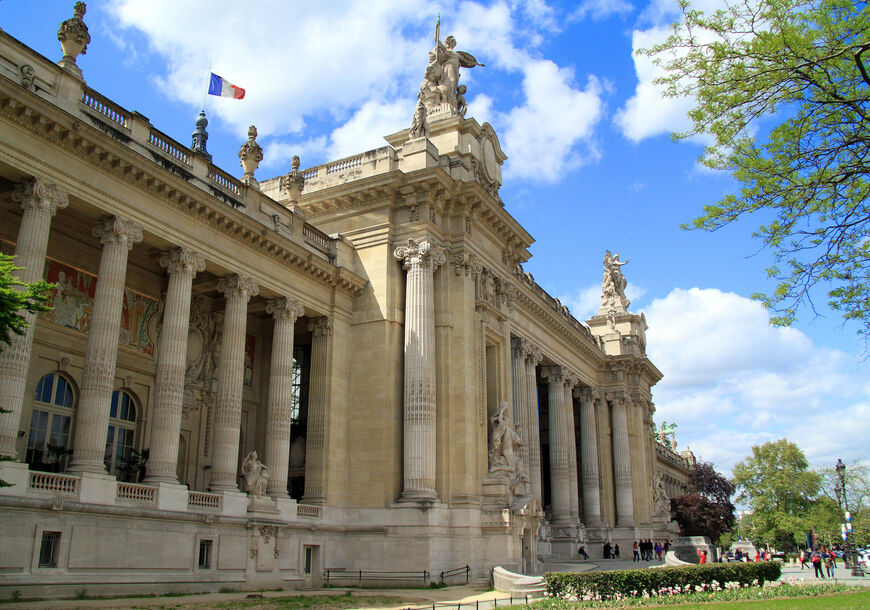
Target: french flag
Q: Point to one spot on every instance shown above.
(222, 88)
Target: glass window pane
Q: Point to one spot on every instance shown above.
(113, 410)
(43, 390)
(60, 392)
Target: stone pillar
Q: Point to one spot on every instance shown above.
(182, 265)
(560, 484)
(238, 290)
(92, 418)
(521, 398)
(589, 458)
(318, 402)
(573, 484)
(40, 200)
(533, 357)
(420, 261)
(285, 311)
(621, 461)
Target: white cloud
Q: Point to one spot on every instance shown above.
(731, 380)
(543, 134)
(349, 70)
(601, 9)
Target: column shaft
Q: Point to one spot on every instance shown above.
(621, 462)
(92, 419)
(533, 356)
(573, 485)
(279, 411)
(420, 260)
(589, 460)
(521, 399)
(560, 485)
(318, 402)
(182, 266)
(39, 200)
(230, 380)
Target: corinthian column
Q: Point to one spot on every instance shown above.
(285, 311)
(560, 483)
(533, 357)
(420, 261)
(318, 402)
(182, 265)
(573, 486)
(92, 419)
(238, 290)
(521, 397)
(589, 458)
(621, 461)
(40, 200)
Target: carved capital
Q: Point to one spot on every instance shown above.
(420, 253)
(41, 195)
(239, 286)
(182, 260)
(616, 397)
(465, 263)
(555, 373)
(320, 327)
(117, 230)
(285, 308)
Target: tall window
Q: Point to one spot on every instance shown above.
(121, 434)
(48, 445)
(300, 374)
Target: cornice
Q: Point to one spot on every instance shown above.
(113, 157)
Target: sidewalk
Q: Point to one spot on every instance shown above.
(841, 574)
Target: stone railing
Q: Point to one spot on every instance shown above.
(671, 456)
(225, 181)
(137, 493)
(316, 237)
(340, 166)
(308, 511)
(55, 483)
(199, 501)
(164, 143)
(106, 107)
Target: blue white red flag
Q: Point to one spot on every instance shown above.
(222, 88)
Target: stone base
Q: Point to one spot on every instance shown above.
(262, 504)
(685, 548)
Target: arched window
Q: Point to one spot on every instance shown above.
(121, 435)
(48, 445)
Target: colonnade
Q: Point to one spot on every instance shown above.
(40, 200)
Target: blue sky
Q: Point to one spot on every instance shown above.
(591, 167)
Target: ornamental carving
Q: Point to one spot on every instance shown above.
(40, 194)
(27, 75)
(420, 253)
(465, 263)
(294, 181)
(238, 286)
(285, 308)
(182, 260)
(613, 285)
(73, 34)
(250, 155)
(119, 231)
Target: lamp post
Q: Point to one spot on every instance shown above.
(840, 489)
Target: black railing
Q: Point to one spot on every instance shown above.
(344, 575)
(477, 604)
(466, 570)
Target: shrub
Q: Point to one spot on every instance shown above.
(645, 582)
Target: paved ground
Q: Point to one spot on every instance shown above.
(464, 594)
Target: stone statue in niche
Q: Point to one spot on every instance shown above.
(441, 79)
(662, 502)
(613, 285)
(256, 475)
(504, 447)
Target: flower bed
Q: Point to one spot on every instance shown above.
(623, 584)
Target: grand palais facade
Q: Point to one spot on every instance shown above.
(345, 367)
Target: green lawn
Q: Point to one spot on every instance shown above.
(837, 601)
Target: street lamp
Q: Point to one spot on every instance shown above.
(840, 490)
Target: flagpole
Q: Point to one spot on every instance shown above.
(207, 84)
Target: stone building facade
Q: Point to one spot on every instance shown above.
(408, 398)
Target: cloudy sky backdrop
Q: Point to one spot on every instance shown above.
(591, 167)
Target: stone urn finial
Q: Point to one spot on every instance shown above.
(250, 155)
(74, 38)
(292, 183)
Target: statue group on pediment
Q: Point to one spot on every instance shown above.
(441, 78)
(613, 285)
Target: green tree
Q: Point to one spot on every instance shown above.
(15, 299)
(857, 493)
(781, 89)
(778, 485)
(706, 509)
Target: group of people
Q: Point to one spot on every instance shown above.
(644, 549)
(610, 551)
(823, 561)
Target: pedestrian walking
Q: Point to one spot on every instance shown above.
(804, 559)
(659, 551)
(616, 551)
(816, 560)
(635, 548)
(829, 564)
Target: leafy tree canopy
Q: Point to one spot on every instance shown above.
(17, 297)
(776, 478)
(706, 510)
(796, 65)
